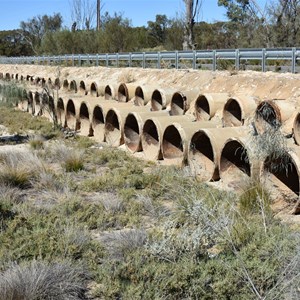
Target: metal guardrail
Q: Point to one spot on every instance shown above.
(175, 59)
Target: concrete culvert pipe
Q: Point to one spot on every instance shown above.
(235, 164)
(100, 109)
(152, 134)
(176, 139)
(142, 95)
(60, 112)
(126, 92)
(97, 89)
(273, 113)
(98, 123)
(161, 99)
(84, 124)
(1, 75)
(238, 110)
(37, 104)
(281, 174)
(82, 88)
(205, 150)
(110, 92)
(207, 105)
(133, 128)
(7, 76)
(57, 84)
(66, 85)
(181, 101)
(114, 124)
(71, 120)
(296, 129)
(73, 86)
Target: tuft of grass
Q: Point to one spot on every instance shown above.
(36, 142)
(42, 280)
(19, 168)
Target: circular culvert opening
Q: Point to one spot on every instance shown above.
(201, 156)
(156, 101)
(73, 86)
(234, 157)
(132, 133)
(284, 173)
(139, 96)
(266, 114)
(57, 83)
(178, 104)
(82, 87)
(98, 117)
(108, 93)
(172, 144)
(112, 128)
(70, 109)
(202, 109)
(232, 113)
(94, 91)
(123, 93)
(66, 85)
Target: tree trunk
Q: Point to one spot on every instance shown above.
(188, 39)
(98, 15)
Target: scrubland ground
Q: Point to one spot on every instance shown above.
(80, 220)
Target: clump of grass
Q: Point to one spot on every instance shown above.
(122, 242)
(43, 280)
(36, 142)
(71, 159)
(254, 199)
(18, 168)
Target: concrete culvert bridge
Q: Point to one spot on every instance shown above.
(98, 123)
(234, 161)
(60, 112)
(84, 125)
(282, 173)
(71, 121)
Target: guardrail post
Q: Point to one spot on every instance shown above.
(130, 60)
(117, 61)
(176, 60)
(194, 60)
(144, 61)
(97, 60)
(79, 61)
(73, 60)
(237, 59)
(214, 60)
(106, 60)
(158, 60)
(294, 60)
(263, 60)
